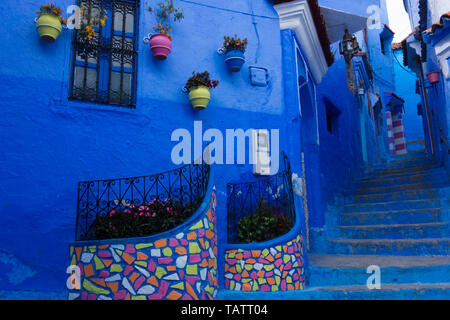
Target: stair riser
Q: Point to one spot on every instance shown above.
(396, 232)
(406, 187)
(391, 218)
(396, 205)
(311, 294)
(395, 196)
(417, 162)
(403, 169)
(352, 276)
(401, 249)
(403, 179)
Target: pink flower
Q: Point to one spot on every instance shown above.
(237, 43)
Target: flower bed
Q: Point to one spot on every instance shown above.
(144, 220)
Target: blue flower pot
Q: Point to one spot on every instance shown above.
(234, 60)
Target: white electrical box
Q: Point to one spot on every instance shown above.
(261, 152)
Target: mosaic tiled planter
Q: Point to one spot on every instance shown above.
(267, 268)
(177, 264)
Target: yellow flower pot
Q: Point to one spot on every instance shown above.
(199, 97)
(49, 27)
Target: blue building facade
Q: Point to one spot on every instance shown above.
(424, 52)
(309, 99)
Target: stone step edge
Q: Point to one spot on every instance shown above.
(403, 211)
(385, 226)
(391, 202)
(387, 241)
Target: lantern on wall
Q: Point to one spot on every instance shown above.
(348, 46)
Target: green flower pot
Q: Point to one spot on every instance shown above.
(199, 97)
(49, 27)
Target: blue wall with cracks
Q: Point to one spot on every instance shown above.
(49, 143)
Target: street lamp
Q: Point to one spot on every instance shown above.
(348, 46)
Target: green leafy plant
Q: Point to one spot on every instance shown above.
(142, 220)
(201, 79)
(165, 12)
(234, 43)
(265, 223)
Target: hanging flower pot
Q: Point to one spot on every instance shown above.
(160, 45)
(161, 41)
(49, 22)
(433, 77)
(234, 60)
(233, 50)
(198, 87)
(199, 97)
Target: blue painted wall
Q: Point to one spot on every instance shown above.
(49, 143)
(405, 83)
(340, 152)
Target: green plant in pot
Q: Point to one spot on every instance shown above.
(49, 22)
(161, 39)
(234, 48)
(198, 86)
(265, 223)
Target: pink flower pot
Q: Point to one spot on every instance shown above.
(160, 45)
(433, 77)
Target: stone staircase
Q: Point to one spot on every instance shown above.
(397, 218)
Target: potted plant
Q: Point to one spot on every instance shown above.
(161, 41)
(263, 224)
(198, 86)
(433, 77)
(233, 49)
(49, 22)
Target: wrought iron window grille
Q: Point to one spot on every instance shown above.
(186, 184)
(103, 68)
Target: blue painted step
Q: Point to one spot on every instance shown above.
(396, 231)
(392, 205)
(342, 270)
(391, 217)
(414, 194)
(402, 187)
(402, 163)
(409, 291)
(402, 178)
(401, 247)
(402, 169)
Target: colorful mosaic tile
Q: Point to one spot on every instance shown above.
(278, 268)
(181, 267)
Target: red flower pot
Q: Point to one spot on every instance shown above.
(433, 77)
(161, 45)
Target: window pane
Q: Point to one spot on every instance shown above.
(85, 82)
(116, 89)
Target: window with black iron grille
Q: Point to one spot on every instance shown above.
(104, 66)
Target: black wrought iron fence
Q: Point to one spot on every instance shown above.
(244, 199)
(185, 185)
